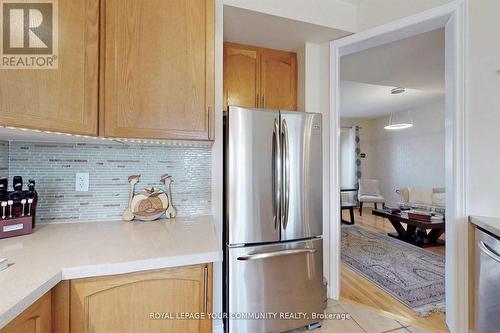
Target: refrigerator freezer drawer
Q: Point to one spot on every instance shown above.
(281, 279)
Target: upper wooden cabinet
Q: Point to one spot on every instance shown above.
(35, 319)
(259, 77)
(128, 303)
(279, 80)
(63, 99)
(158, 69)
(241, 75)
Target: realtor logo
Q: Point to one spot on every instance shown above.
(29, 34)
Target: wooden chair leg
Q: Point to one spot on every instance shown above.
(375, 205)
(360, 208)
(351, 213)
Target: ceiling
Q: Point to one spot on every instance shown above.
(354, 2)
(254, 28)
(415, 63)
(363, 100)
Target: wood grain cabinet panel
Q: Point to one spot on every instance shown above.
(35, 319)
(241, 75)
(158, 68)
(279, 80)
(63, 99)
(259, 77)
(125, 303)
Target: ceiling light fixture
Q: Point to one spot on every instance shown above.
(402, 123)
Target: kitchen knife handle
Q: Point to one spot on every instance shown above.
(276, 173)
(17, 183)
(286, 173)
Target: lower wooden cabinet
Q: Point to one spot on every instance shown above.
(35, 319)
(157, 301)
(137, 302)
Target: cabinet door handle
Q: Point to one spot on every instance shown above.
(263, 102)
(257, 101)
(205, 289)
(209, 120)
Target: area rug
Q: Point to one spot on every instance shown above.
(412, 275)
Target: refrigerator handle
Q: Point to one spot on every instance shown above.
(276, 173)
(266, 255)
(286, 173)
(488, 251)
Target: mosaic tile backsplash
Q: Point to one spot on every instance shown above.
(4, 158)
(54, 167)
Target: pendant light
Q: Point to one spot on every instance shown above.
(397, 120)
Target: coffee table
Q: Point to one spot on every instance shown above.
(419, 233)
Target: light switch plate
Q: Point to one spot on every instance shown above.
(82, 182)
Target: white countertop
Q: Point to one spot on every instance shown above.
(56, 252)
(491, 224)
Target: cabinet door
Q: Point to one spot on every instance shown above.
(130, 303)
(63, 99)
(158, 69)
(279, 80)
(241, 76)
(35, 319)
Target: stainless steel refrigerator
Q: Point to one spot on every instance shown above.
(273, 219)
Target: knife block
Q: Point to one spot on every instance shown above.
(17, 225)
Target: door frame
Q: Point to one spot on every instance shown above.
(452, 17)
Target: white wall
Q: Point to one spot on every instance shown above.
(329, 13)
(483, 107)
(301, 58)
(217, 159)
(316, 98)
(372, 13)
(410, 157)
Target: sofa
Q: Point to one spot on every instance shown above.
(427, 198)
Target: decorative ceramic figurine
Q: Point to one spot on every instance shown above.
(127, 214)
(167, 181)
(150, 204)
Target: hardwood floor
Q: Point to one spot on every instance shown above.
(354, 288)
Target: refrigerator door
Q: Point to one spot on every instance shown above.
(302, 203)
(282, 278)
(252, 176)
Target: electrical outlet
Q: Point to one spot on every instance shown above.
(82, 182)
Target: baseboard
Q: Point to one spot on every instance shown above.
(217, 326)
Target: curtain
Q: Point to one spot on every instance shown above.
(357, 151)
(350, 162)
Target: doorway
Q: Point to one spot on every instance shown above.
(450, 18)
(392, 178)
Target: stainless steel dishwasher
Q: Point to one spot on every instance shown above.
(487, 316)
